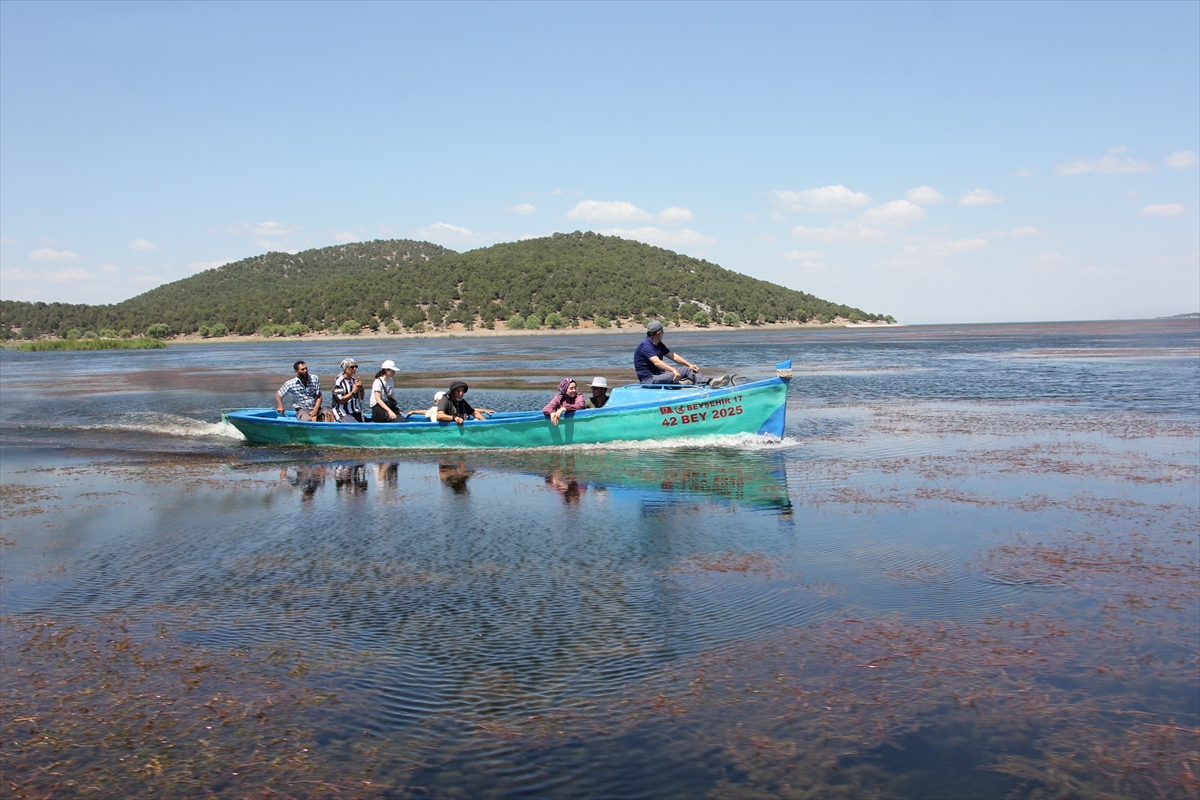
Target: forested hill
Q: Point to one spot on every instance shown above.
(243, 295)
(558, 280)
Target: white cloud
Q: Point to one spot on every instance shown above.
(1026, 230)
(1110, 164)
(273, 229)
(47, 256)
(142, 245)
(775, 216)
(897, 212)
(679, 239)
(1183, 160)
(200, 266)
(1163, 210)
(827, 198)
(932, 253)
(524, 209)
(1024, 172)
(806, 260)
(675, 215)
(980, 197)
(1046, 262)
(386, 230)
(447, 235)
(802, 255)
(845, 232)
(71, 274)
(6, 240)
(270, 235)
(345, 237)
(924, 195)
(608, 211)
(109, 269)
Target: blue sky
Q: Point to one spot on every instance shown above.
(940, 162)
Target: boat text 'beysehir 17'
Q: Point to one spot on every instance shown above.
(633, 413)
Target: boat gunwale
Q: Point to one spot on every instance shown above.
(270, 416)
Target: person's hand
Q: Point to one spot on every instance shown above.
(459, 420)
(554, 415)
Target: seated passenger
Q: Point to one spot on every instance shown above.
(651, 368)
(454, 408)
(383, 394)
(347, 393)
(430, 412)
(599, 387)
(567, 399)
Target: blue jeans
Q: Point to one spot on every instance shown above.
(685, 373)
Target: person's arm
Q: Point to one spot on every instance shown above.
(678, 359)
(552, 406)
(447, 413)
(484, 411)
(317, 403)
(279, 398)
(664, 366)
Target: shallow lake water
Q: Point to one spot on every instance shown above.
(969, 569)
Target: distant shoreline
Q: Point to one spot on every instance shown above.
(460, 332)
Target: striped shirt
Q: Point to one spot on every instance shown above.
(349, 404)
(303, 397)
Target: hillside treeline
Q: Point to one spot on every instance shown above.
(397, 283)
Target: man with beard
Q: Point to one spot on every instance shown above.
(306, 394)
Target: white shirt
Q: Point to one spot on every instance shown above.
(384, 389)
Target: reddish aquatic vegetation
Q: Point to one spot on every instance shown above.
(745, 563)
(108, 707)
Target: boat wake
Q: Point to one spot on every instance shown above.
(734, 441)
(165, 425)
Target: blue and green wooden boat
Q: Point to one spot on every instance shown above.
(636, 412)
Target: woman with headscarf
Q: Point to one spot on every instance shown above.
(347, 393)
(567, 399)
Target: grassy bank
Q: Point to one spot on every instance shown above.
(93, 344)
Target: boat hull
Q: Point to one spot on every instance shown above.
(645, 412)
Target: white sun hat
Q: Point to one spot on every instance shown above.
(389, 364)
(601, 382)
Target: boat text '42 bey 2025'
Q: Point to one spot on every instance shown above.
(633, 413)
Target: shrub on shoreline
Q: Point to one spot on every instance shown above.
(144, 343)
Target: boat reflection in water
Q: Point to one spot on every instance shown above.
(747, 478)
(454, 474)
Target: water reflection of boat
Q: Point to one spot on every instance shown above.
(753, 478)
(634, 413)
(454, 475)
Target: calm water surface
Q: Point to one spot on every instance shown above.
(968, 570)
